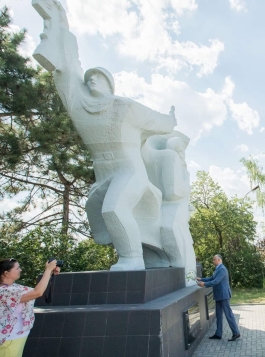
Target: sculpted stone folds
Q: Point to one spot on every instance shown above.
(139, 201)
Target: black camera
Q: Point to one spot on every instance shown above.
(59, 263)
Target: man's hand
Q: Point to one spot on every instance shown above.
(201, 284)
(199, 279)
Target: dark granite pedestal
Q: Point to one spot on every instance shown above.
(147, 313)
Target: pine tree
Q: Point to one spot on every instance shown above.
(42, 158)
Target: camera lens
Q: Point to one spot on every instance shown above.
(60, 263)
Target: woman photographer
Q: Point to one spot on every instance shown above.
(16, 306)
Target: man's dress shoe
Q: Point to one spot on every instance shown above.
(234, 337)
(215, 337)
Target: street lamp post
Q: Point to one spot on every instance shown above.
(253, 189)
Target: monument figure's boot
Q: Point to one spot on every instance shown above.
(126, 238)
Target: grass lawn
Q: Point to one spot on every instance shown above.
(248, 296)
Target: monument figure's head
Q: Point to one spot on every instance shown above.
(99, 81)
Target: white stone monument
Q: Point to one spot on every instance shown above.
(139, 202)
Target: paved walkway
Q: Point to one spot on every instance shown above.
(251, 319)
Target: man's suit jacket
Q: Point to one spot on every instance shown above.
(220, 283)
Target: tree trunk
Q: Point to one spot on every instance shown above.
(219, 233)
(66, 208)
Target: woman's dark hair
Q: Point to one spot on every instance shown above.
(6, 265)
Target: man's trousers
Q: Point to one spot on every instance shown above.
(224, 306)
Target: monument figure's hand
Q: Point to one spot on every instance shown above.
(51, 10)
(47, 52)
(172, 112)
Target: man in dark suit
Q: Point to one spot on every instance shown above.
(222, 294)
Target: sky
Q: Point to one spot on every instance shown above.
(205, 57)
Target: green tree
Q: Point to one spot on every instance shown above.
(260, 244)
(245, 264)
(88, 255)
(33, 249)
(43, 161)
(225, 226)
(256, 176)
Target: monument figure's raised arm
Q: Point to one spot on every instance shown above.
(153, 121)
(58, 50)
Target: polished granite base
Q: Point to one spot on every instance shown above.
(149, 324)
(110, 287)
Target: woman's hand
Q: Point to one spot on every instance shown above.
(51, 266)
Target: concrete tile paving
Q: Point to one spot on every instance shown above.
(251, 320)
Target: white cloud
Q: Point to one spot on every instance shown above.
(7, 204)
(193, 165)
(197, 113)
(28, 46)
(107, 17)
(146, 31)
(247, 118)
(242, 148)
(233, 183)
(228, 88)
(259, 156)
(238, 5)
(190, 54)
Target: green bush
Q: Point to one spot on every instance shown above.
(35, 248)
